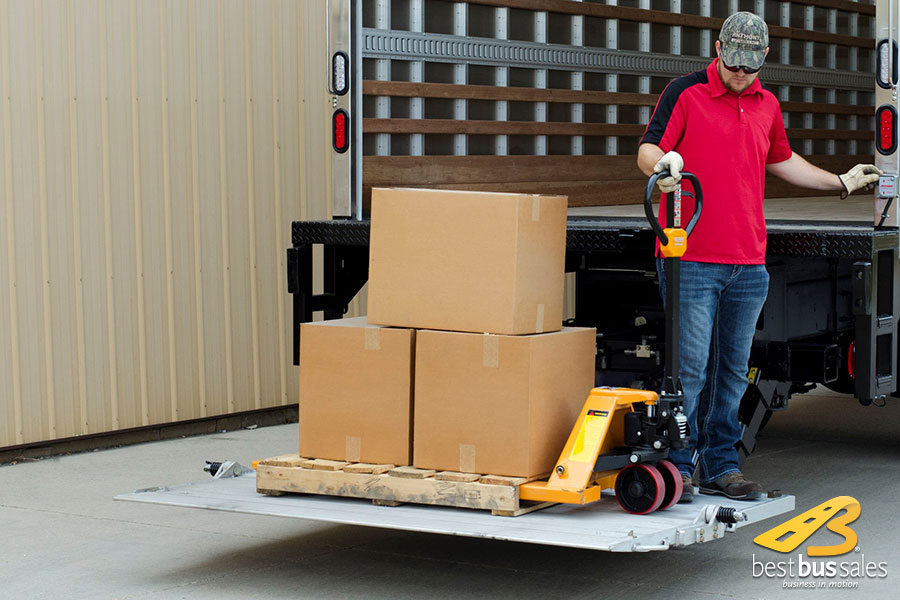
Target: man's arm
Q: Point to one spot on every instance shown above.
(798, 171)
(648, 156)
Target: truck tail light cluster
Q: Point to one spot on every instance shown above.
(340, 130)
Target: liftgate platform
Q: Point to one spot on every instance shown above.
(601, 525)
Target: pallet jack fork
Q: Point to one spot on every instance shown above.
(622, 437)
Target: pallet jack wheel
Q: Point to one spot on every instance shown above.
(640, 489)
(674, 486)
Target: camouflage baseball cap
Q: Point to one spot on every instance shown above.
(744, 38)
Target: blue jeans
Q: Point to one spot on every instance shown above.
(720, 305)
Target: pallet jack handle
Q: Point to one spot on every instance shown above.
(673, 244)
(673, 216)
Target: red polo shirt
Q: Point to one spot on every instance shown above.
(726, 140)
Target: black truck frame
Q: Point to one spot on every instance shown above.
(830, 317)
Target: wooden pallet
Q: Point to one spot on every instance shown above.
(390, 486)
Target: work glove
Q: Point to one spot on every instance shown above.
(860, 176)
(673, 163)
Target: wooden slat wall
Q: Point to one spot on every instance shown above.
(523, 94)
(485, 127)
(601, 179)
(638, 15)
(612, 179)
(566, 6)
(587, 180)
(151, 162)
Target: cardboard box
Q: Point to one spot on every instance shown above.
(356, 391)
(501, 405)
(467, 261)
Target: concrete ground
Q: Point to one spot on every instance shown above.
(64, 537)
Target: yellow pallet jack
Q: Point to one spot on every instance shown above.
(622, 437)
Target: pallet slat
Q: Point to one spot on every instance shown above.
(367, 468)
(503, 480)
(514, 481)
(320, 464)
(525, 508)
(455, 476)
(411, 473)
(285, 460)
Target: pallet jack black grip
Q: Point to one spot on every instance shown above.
(648, 204)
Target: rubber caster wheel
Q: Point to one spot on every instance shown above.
(640, 489)
(672, 480)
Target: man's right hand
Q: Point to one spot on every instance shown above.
(673, 163)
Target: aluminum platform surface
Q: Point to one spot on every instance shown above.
(599, 526)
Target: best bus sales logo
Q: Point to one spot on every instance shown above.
(789, 535)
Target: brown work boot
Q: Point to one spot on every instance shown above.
(734, 486)
(687, 494)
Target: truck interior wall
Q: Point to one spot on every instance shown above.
(454, 119)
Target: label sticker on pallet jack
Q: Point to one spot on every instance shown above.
(592, 429)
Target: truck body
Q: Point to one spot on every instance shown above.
(552, 97)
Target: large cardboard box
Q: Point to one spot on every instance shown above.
(502, 405)
(467, 261)
(356, 391)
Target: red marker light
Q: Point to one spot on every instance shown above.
(851, 360)
(340, 130)
(886, 140)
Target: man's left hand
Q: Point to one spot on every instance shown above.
(860, 176)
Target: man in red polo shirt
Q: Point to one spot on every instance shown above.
(728, 131)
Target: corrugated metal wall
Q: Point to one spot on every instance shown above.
(151, 162)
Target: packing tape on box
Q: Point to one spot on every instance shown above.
(351, 449)
(373, 338)
(539, 322)
(467, 458)
(490, 351)
(535, 208)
